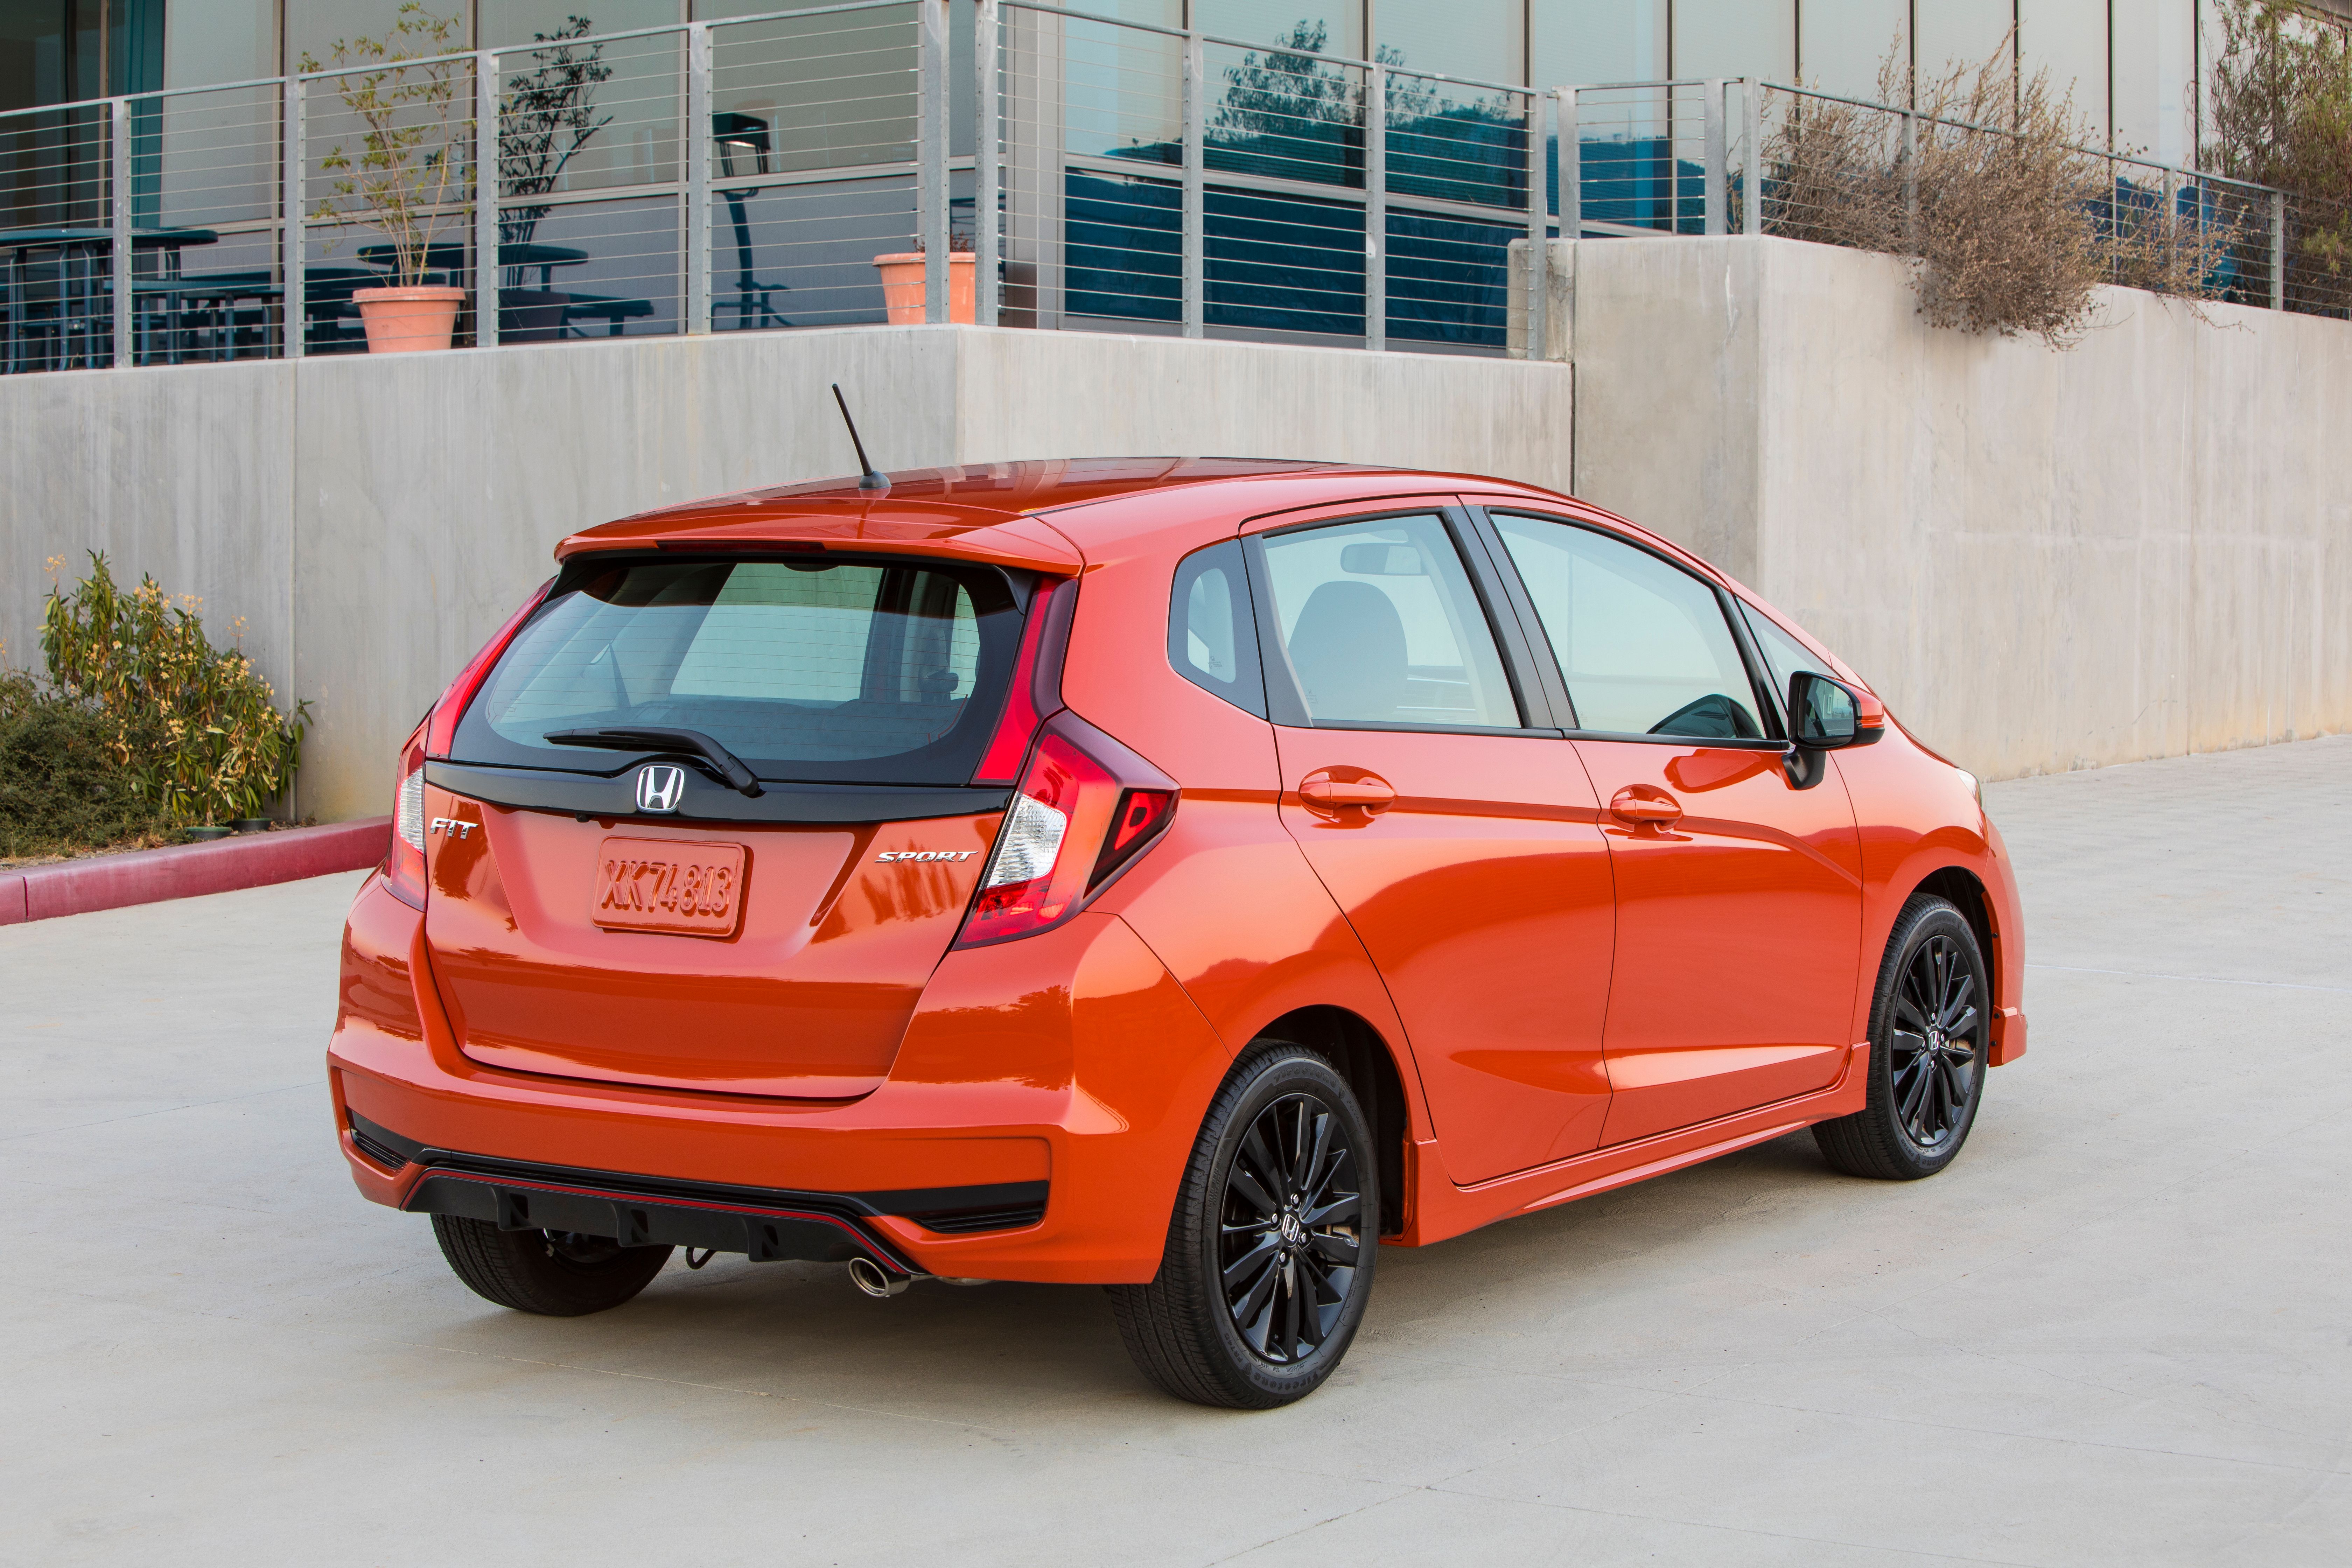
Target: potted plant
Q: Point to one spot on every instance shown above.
(548, 116)
(408, 90)
(902, 283)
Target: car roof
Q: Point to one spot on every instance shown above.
(987, 511)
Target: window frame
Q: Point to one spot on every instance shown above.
(1245, 627)
(1286, 705)
(1555, 679)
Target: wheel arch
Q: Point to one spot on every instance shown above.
(1966, 892)
(1370, 1065)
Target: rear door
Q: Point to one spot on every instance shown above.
(602, 904)
(1739, 884)
(1459, 837)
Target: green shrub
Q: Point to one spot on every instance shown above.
(61, 787)
(196, 726)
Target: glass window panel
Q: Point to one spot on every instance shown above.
(210, 41)
(1735, 37)
(1382, 626)
(1574, 43)
(1784, 655)
(1211, 641)
(1164, 13)
(2069, 39)
(1475, 39)
(505, 22)
(1951, 34)
(2154, 78)
(1841, 43)
(50, 51)
(1642, 644)
(1297, 24)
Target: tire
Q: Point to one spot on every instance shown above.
(1260, 1292)
(1928, 1042)
(556, 1274)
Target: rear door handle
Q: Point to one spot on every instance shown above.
(1330, 790)
(1641, 804)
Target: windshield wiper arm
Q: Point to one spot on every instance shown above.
(690, 742)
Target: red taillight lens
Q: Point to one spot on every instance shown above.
(1022, 708)
(403, 865)
(1085, 806)
(442, 724)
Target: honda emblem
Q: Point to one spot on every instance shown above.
(661, 786)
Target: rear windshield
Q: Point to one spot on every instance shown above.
(822, 671)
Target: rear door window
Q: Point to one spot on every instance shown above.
(1380, 626)
(1642, 644)
(815, 670)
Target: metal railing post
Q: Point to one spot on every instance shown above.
(487, 273)
(1571, 166)
(698, 181)
(1376, 206)
(1910, 177)
(1711, 111)
(931, 157)
(2278, 250)
(119, 180)
(1751, 156)
(292, 263)
(1539, 227)
(1192, 221)
(988, 178)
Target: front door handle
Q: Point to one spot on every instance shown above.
(1329, 791)
(1644, 804)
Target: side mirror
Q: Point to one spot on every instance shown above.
(1828, 714)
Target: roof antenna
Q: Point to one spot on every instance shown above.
(874, 480)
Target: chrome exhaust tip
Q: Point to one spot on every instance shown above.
(875, 1280)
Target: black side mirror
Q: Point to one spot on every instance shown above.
(1826, 714)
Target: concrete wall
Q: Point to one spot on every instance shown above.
(372, 520)
(2136, 548)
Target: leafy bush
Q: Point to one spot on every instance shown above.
(61, 785)
(2011, 226)
(195, 726)
(2280, 114)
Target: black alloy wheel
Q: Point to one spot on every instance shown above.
(1929, 1036)
(1288, 1246)
(1271, 1246)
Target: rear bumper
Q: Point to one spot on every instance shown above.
(1033, 1126)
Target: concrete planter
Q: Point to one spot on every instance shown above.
(407, 320)
(902, 287)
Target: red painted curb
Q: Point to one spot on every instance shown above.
(183, 871)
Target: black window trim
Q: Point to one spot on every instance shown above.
(1249, 594)
(1549, 662)
(1286, 706)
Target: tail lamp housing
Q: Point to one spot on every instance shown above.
(1085, 808)
(403, 863)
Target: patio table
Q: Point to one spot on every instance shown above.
(80, 249)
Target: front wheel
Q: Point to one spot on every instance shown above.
(555, 1273)
(1928, 1038)
(1270, 1251)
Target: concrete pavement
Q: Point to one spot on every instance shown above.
(2119, 1330)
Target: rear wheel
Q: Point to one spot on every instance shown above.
(1270, 1251)
(556, 1273)
(1928, 1038)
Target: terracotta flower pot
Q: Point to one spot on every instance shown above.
(403, 321)
(902, 287)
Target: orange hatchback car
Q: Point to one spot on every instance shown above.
(1174, 875)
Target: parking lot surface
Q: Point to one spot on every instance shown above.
(2119, 1330)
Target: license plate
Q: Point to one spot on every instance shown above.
(685, 889)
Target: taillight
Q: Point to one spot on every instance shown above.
(1025, 704)
(442, 724)
(1085, 806)
(403, 864)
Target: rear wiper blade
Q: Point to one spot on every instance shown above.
(689, 742)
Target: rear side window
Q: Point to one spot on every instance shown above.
(1212, 639)
(817, 670)
(1642, 644)
(1380, 626)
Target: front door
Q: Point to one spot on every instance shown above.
(1738, 887)
(1464, 849)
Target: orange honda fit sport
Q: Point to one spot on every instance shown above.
(1172, 874)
